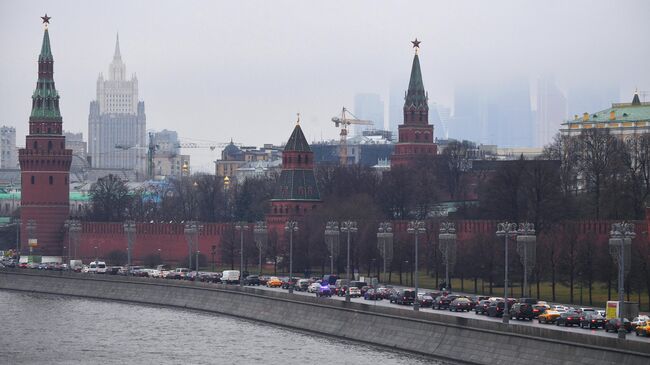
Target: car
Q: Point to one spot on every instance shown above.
(313, 288)
(531, 301)
(287, 283)
(263, 279)
(252, 280)
(403, 297)
(640, 320)
(114, 270)
(643, 329)
(425, 300)
(615, 323)
(358, 284)
(383, 292)
(540, 308)
(324, 290)
(496, 308)
(372, 294)
(354, 292)
(592, 320)
(568, 319)
(443, 301)
(460, 304)
(481, 306)
(301, 285)
(330, 279)
(521, 311)
(340, 285)
(549, 316)
(560, 307)
(274, 282)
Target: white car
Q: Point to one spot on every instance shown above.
(640, 320)
(313, 288)
(354, 291)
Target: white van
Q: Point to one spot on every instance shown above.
(97, 267)
(230, 276)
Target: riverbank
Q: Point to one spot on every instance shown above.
(431, 334)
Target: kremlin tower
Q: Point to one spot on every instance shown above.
(44, 165)
(296, 193)
(415, 134)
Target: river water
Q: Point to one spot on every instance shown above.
(37, 329)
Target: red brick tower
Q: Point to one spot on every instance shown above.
(415, 134)
(296, 193)
(45, 164)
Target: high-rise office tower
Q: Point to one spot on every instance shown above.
(368, 106)
(551, 111)
(117, 122)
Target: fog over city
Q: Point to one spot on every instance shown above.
(222, 70)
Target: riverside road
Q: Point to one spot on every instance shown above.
(386, 303)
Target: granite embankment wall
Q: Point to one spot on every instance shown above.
(438, 335)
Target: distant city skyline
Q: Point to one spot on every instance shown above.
(210, 76)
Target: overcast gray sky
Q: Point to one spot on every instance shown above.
(214, 70)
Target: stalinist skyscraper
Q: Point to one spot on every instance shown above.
(117, 122)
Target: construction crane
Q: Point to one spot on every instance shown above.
(344, 121)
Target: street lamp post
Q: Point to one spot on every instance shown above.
(447, 239)
(31, 239)
(504, 230)
(291, 226)
(192, 230)
(415, 228)
(18, 246)
(348, 227)
(620, 244)
(526, 248)
(385, 242)
(332, 241)
(213, 252)
(261, 235)
(241, 227)
(74, 227)
(129, 229)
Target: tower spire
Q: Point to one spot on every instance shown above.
(117, 55)
(416, 97)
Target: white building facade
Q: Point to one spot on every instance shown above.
(117, 122)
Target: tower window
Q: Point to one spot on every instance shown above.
(51, 180)
(49, 144)
(35, 145)
(33, 179)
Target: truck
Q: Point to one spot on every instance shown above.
(76, 265)
(230, 277)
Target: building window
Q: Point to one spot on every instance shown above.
(33, 179)
(35, 145)
(51, 180)
(49, 144)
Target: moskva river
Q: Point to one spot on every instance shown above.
(48, 329)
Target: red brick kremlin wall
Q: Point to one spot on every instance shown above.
(170, 237)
